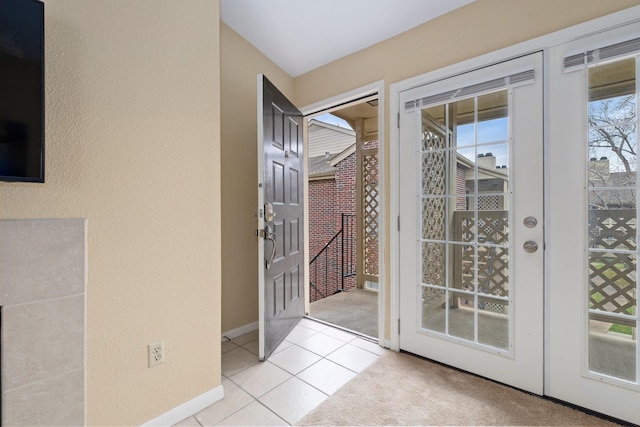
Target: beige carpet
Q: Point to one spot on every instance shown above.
(400, 389)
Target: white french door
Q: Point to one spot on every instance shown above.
(471, 221)
(593, 352)
(479, 287)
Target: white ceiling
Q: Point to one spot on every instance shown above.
(301, 35)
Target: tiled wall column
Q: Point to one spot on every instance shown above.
(42, 293)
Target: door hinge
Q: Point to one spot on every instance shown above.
(398, 121)
(398, 326)
(398, 222)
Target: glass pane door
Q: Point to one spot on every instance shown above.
(592, 334)
(471, 277)
(465, 219)
(612, 211)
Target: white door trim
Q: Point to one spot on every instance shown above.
(542, 43)
(327, 104)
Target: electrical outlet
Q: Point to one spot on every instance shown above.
(156, 353)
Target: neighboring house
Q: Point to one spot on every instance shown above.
(332, 192)
(328, 138)
(610, 197)
(326, 198)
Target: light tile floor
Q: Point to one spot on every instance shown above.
(311, 364)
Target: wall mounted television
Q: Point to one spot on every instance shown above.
(22, 90)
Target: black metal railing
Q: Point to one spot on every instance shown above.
(335, 261)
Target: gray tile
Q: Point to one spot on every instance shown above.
(293, 399)
(41, 259)
(252, 347)
(54, 402)
(254, 414)
(228, 346)
(52, 328)
(236, 360)
(260, 378)
(234, 399)
(246, 338)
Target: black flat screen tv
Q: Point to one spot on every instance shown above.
(21, 90)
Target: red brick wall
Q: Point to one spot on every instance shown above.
(346, 203)
(322, 212)
(346, 187)
(324, 273)
(328, 200)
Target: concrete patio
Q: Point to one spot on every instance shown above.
(355, 310)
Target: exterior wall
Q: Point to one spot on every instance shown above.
(328, 200)
(330, 139)
(346, 187)
(478, 28)
(322, 214)
(322, 228)
(132, 144)
(346, 201)
(240, 64)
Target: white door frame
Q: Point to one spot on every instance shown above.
(542, 43)
(518, 360)
(326, 104)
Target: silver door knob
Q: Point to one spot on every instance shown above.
(530, 222)
(530, 246)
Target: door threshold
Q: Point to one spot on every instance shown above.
(342, 328)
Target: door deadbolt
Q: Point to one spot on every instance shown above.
(269, 213)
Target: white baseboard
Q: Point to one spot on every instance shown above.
(187, 409)
(234, 333)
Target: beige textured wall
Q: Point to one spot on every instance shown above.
(240, 65)
(478, 28)
(132, 139)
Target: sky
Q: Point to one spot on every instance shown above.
(331, 119)
(490, 130)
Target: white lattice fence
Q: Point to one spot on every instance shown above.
(370, 208)
(484, 264)
(612, 261)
